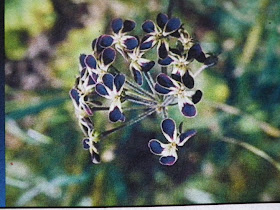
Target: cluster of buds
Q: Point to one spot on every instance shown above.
(99, 82)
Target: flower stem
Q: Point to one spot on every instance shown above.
(150, 82)
(164, 69)
(129, 123)
(170, 8)
(199, 70)
(136, 88)
(252, 149)
(139, 100)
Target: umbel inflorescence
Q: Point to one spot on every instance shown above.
(100, 82)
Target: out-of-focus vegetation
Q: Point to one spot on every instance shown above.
(234, 158)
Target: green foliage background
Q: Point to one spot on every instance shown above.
(45, 162)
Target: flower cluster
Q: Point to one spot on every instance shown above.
(101, 86)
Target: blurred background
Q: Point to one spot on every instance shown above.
(234, 158)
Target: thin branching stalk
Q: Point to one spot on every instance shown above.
(200, 70)
(150, 83)
(140, 101)
(129, 123)
(168, 100)
(164, 69)
(134, 108)
(139, 89)
(124, 108)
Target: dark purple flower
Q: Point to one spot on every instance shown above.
(168, 152)
(159, 33)
(111, 88)
(187, 98)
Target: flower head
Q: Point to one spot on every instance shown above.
(138, 64)
(111, 88)
(181, 87)
(159, 33)
(100, 65)
(119, 38)
(168, 152)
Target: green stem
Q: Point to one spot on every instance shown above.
(170, 8)
(264, 126)
(136, 88)
(150, 82)
(164, 69)
(138, 100)
(252, 149)
(129, 123)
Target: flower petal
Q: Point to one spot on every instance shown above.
(185, 136)
(86, 143)
(137, 76)
(176, 77)
(108, 56)
(146, 45)
(116, 114)
(95, 158)
(172, 25)
(74, 94)
(117, 25)
(82, 60)
(165, 81)
(197, 96)
(119, 81)
(83, 74)
(147, 66)
(211, 60)
(161, 90)
(156, 147)
(94, 76)
(128, 26)
(188, 110)
(90, 61)
(162, 50)
(106, 41)
(130, 42)
(87, 108)
(196, 52)
(147, 42)
(86, 125)
(168, 127)
(96, 47)
(101, 90)
(166, 61)
(162, 20)
(148, 26)
(91, 80)
(188, 80)
(108, 80)
(168, 160)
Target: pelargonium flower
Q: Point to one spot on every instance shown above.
(139, 64)
(111, 88)
(181, 87)
(120, 39)
(159, 33)
(168, 152)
